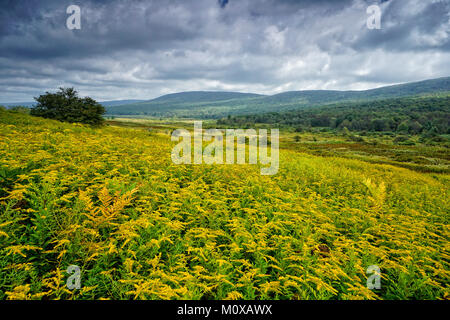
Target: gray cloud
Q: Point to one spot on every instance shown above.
(143, 49)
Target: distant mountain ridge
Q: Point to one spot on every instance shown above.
(113, 103)
(208, 104)
(15, 104)
(217, 104)
(203, 96)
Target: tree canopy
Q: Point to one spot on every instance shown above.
(412, 115)
(66, 106)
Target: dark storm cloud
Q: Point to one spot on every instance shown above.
(121, 25)
(420, 27)
(142, 49)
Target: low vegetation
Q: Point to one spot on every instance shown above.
(109, 200)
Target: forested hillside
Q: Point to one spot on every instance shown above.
(222, 104)
(409, 115)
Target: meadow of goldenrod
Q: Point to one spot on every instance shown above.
(111, 201)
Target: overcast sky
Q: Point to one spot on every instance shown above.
(144, 49)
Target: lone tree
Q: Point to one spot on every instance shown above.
(65, 105)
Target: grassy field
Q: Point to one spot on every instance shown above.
(110, 201)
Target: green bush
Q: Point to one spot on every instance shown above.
(439, 139)
(66, 106)
(407, 143)
(356, 138)
(400, 139)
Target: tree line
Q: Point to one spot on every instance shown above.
(411, 115)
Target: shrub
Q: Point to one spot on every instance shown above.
(438, 139)
(345, 131)
(408, 143)
(66, 106)
(400, 139)
(356, 138)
